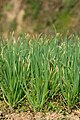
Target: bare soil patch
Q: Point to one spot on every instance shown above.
(75, 115)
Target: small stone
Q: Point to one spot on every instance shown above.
(6, 116)
(1, 113)
(77, 113)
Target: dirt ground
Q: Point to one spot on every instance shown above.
(75, 115)
(23, 113)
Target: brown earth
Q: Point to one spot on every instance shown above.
(7, 113)
(75, 115)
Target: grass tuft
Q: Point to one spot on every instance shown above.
(40, 69)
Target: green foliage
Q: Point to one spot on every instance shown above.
(11, 71)
(33, 11)
(40, 68)
(13, 25)
(65, 16)
(1, 15)
(8, 6)
(40, 74)
(69, 69)
(70, 3)
(62, 22)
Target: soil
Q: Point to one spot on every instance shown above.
(7, 113)
(75, 115)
